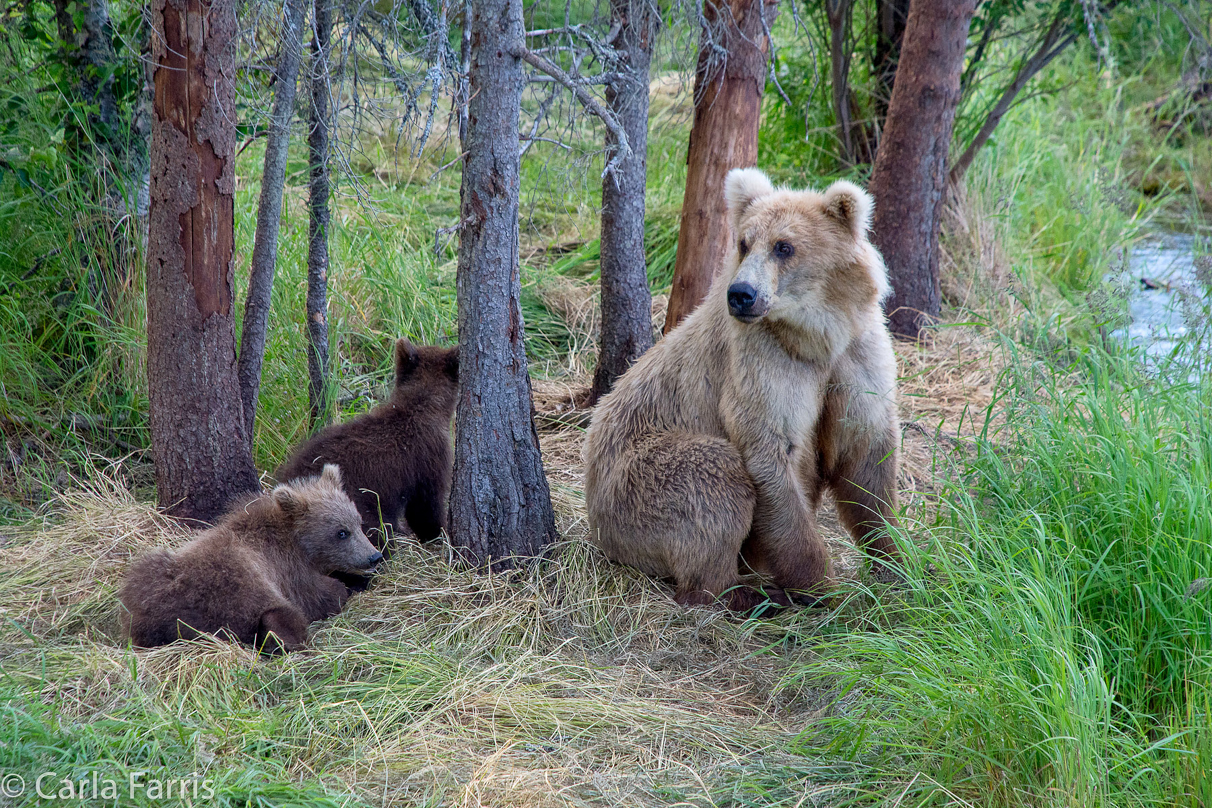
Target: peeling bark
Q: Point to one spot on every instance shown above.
(202, 451)
(723, 136)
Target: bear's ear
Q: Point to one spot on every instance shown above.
(406, 359)
(850, 206)
(742, 187)
(452, 363)
(289, 500)
(331, 475)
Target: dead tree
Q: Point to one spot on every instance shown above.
(269, 212)
(626, 300)
(320, 127)
(838, 13)
(1046, 42)
(728, 83)
(201, 449)
(500, 504)
(910, 173)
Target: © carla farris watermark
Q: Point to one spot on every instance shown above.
(90, 786)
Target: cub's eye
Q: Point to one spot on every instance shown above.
(783, 249)
(342, 535)
(743, 248)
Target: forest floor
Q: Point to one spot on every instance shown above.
(1050, 644)
(573, 682)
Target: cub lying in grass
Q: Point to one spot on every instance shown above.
(260, 576)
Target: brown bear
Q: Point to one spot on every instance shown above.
(396, 459)
(260, 576)
(716, 446)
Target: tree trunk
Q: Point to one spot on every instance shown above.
(500, 502)
(269, 213)
(201, 450)
(838, 13)
(626, 301)
(890, 19)
(910, 171)
(464, 69)
(723, 136)
(317, 245)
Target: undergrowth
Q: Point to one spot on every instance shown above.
(1051, 645)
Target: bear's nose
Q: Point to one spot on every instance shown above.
(374, 559)
(741, 297)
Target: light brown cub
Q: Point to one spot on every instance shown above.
(260, 575)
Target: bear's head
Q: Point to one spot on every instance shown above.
(325, 523)
(426, 374)
(803, 257)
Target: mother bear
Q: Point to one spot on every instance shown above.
(716, 446)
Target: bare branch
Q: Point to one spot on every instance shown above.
(622, 151)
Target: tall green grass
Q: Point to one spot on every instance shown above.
(1049, 648)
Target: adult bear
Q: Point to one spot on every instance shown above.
(716, 446)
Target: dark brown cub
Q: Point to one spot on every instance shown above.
(396, 460)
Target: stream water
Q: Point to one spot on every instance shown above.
(1159, 276)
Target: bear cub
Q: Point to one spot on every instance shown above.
(260, 576)
(715, 448)
(396, 459)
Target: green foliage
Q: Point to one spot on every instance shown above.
(153, 756)
(1047, 648)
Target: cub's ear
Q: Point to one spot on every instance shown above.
(452, 363)
(850, 206)
(406, 359)
(331, 474)
(742, 187)
(289, 500)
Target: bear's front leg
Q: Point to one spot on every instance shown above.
(280, 629)
(784, 539)
(426, 509)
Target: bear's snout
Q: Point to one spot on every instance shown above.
(373, 561)
(743, 302)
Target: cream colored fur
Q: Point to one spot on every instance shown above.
(718, 442)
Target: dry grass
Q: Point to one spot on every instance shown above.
(570, 682)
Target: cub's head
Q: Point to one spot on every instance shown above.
(326, 524)
(426, 373)
(801, 255)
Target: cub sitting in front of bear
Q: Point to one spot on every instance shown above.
(261, 575)
(717, 445)
(397, 458)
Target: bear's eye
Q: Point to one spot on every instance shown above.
(783, 249)
(342, 535)
(743, 248)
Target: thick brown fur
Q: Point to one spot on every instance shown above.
(396, 459)
(717, 445)
(260, 576)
